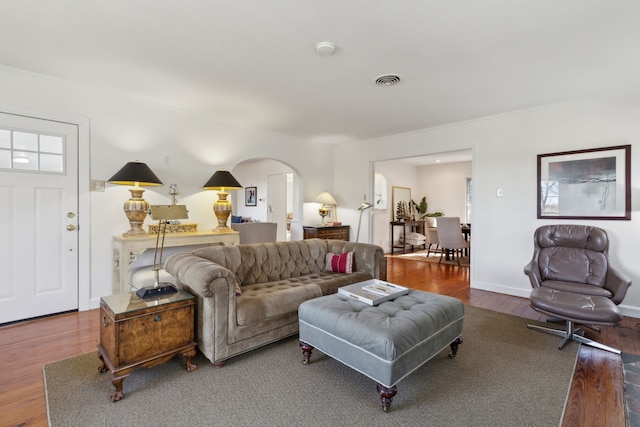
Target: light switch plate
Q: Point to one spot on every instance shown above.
(97, 185)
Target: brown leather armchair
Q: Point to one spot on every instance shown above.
(575, 258)
(574, 282)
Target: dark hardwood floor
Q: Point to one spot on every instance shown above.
(595, 398)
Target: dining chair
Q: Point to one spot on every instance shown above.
(432, 240)
(450, 236)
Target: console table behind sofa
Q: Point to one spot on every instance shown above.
(126, 250)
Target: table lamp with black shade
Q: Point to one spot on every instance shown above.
(164, 214)
(221, 181)
(136, 174)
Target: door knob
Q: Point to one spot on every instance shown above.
(71, 227)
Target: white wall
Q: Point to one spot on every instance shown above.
(123, 129)
(504, 156)
(445, 186)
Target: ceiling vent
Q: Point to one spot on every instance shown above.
(387, 80)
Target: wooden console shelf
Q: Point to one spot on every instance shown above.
(407, 227)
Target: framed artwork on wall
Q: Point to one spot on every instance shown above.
(251, 196)
(585, 184)
(332, 215)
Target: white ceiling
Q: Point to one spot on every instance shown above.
(253, 62)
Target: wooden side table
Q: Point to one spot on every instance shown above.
(136, 332)
(336, 232)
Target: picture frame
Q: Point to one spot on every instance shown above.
(332, 216)
(585, 184)
(251, 196)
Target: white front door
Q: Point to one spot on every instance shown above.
(38, 217)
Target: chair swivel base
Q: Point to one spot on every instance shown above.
(572, 334)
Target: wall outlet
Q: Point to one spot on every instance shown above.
(499, 192)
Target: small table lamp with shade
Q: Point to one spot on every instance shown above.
(136, 174)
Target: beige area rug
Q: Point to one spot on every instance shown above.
(422, 256)
(504, 375)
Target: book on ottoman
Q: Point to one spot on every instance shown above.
(373, 291)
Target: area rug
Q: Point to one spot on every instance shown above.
(504, 375)
(422, 256)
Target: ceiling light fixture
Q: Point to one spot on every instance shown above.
(325, 48)
(387, 80)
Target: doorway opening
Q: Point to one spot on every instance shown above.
(277, 198)
(444, 179)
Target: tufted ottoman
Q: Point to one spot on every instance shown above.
(385, 342)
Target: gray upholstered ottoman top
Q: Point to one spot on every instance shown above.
(388, 330)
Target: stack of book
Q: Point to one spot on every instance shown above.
(373, 291)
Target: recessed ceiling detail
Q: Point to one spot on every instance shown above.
(387, 80)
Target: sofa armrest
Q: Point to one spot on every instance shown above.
(617, 283)
(204, 277)
(367, 258)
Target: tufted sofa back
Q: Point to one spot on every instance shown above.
(572, 253)
(271, 261)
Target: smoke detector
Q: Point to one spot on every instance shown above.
(325, 48)
(387, 80)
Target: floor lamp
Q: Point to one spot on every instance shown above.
(363, 207)
(163, 214)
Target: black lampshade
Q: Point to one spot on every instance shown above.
(222, 180)
(134, 172)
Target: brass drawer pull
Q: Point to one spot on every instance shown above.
(105, 322)
(157, 318)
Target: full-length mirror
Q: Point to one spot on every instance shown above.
(401, 200)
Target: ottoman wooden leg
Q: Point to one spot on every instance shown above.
(386, 395)
(454, 347)
(306, 352)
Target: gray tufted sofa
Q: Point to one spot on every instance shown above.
(248, 295)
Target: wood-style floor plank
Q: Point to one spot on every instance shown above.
(595, 398)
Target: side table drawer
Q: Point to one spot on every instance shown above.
(332, 234)
(338, 232)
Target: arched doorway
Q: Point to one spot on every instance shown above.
(277, 198)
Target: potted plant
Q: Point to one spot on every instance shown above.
(421, 210)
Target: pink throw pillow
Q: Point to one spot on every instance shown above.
(340, 263)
